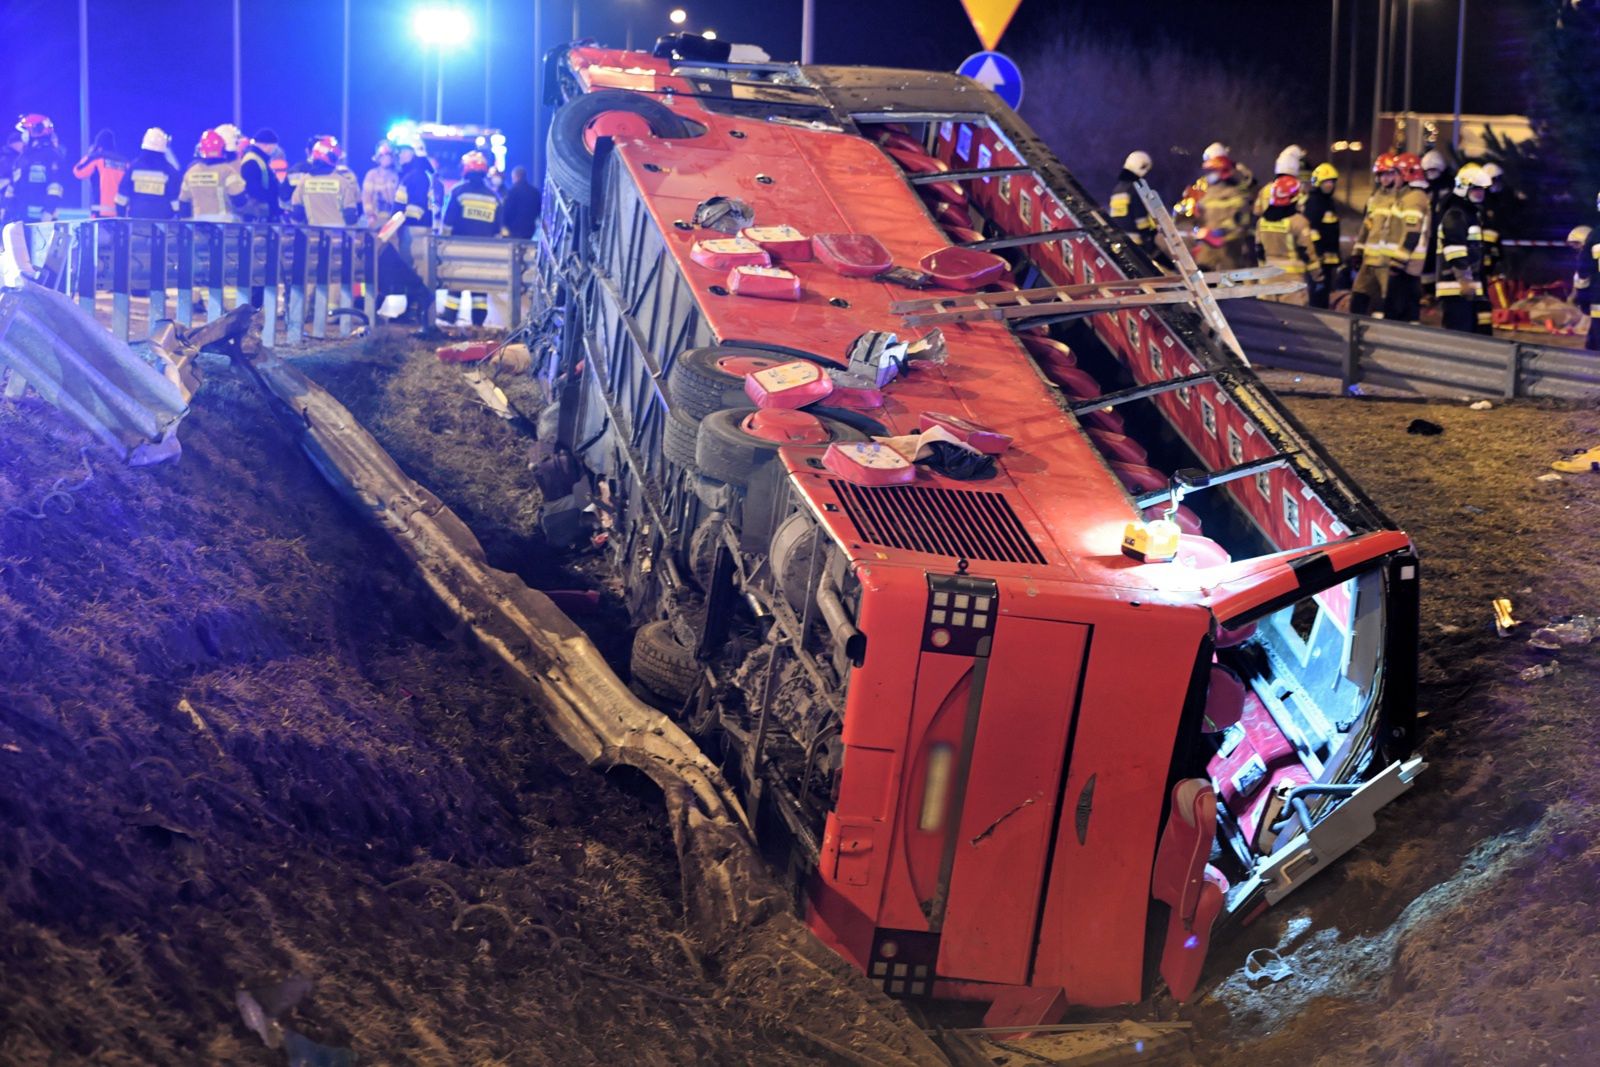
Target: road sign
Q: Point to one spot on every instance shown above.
(990, 18)
(997, 72)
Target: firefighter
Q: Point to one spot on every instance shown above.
(379, 185)
(1241, 173)
(1322, 212)
(1436, 168)
(262, 196)
(1493, 293)
(414, 194)
(1222, 239)
(1128, 212)
(1409, 238)
(149, 188)
(104, 163)
(1373, 247)
(1284, 238)
(1584, 287)
(296, 174)
(35, 191)
(327, 195)
(1459, 240)
(232, 140)
(1291, 161)
(472, 210)
(211, 189)
(520, 209)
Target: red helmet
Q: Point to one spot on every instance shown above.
(211, 146)
(474, 163)
(327, 150)
(1285, 190)
(1410, 167)
(1219, 167)
(1386, 161)
(35, 127)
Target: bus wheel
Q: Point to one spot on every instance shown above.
(728, 450)
(662, 665)
(703, 380)
(568, 152)
(678, 437)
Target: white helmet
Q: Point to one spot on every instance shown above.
(1138, 162)
(1579, 236)
(1214, 149)
(1495, 172)
(1470, 177)
(230, 136)
(1434, 163)
(1290, 160)
(155, 140)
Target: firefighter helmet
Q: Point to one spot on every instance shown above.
(1290, 160)
(155, 140)
(381, 147)
(231, 136)
(1384, 163)
(1410, 168)
(1325, 172)
(1213, 150)
(35, 127)
(1470, 177)
(1285, 190)
(211, 146)
(1578, 236)
(1434, 164)
(474, 163)
(1495, 172)
(1218, 168)
(1138, 163)
(327, 150)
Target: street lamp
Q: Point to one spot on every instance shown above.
(678, 16)
(441, 28)
(710, 35)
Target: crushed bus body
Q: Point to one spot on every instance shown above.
(992, 748)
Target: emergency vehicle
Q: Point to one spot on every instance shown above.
(991, 748)
(446, 143)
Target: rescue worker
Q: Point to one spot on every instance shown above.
(1241, 173)
(520, 211)
(105, 164)
(149, 188)
(232, 140)
(1322, 212)
(1459, 239)
(414, 193)
(1222, 239)
(1291, 161)
(1128, 212)
(472, 210)
(296, 174)
(1493, 292)
(327, 195)
(34, 194)
(379, 185)
(1373, 246)
(1409, 235)
(1436, 168)
(262, 195)
(211, 189)
(1584, 287)
(1284, 238)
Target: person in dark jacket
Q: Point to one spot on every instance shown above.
(149, 188)
(34, 194)
(262, 196)
(1585, 290)
(1128, 212)
(472, 210)
(415, 193)
(1322, 211)
(1459, 243)
(520, 212)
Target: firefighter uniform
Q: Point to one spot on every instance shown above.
(1322, 212)
(1374, 247)
(103, 164)
(1127, 210)
(472, 210)
(326, 196)
(1223, 239)
(36, 183)
(149, 188)
(414, 194)
(1586, 285)
(1459, 256)
(1285, 239)
(1403, 298)
(211, 191)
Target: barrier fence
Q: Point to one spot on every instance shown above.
(136, 272)
(1415, 358)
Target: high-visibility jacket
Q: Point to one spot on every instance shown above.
(1127, 211)
(1223, 213)
(35, 190)
(326, 196)
(1586, 279)
(108, 168)
(1322, 212)
(212, 191)
(414, 195)
(260, 184)
(378, 189)
(1285, 239)
(472, 210)
(1459, 242)
(149, 188)
(1409, 232)
(1375, 241)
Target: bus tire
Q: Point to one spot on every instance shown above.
(725, 452)
(678, 439)
(570, 162)
(661, 664)
(697, 386)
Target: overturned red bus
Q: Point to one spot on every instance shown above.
(992, 749)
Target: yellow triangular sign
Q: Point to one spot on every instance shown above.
(990, 18)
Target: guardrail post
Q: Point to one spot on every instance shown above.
(158, 274)
(186, 274)
(269, 291)
(518, 260)
(319, 305)
(1350, 369)
(347, 273)
(297, 287)
(88, 264)
(369, 272)
(244, 274)
(121, 281)
(216, 268)
(1513, 386)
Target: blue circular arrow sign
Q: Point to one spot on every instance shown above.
(995, 71)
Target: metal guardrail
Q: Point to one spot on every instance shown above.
(1420, 359)
(298, 273)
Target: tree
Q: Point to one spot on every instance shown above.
(1564, 83)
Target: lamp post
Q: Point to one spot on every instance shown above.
(1461, 44)
(440, 28)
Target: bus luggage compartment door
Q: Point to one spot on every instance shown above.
(1008, 811)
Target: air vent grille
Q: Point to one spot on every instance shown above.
(959, 523)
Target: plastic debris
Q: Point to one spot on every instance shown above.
(1540, 670)
(1424, 428)
(1481, 405)
(1562, 633)
(1265, 963)
(1581, 463)
(1551, 477)
(1503, 621)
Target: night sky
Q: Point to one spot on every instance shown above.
(169, 62)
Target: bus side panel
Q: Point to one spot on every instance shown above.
(1091, 942)
(1012, 796)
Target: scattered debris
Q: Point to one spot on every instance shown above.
(1266, 964)
(1424, 428)
(1540, 670)
(1503, 621)
(1560, 633)
(1579, 463)
(1551, 477)
(1473, 509)
(1481, 405)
